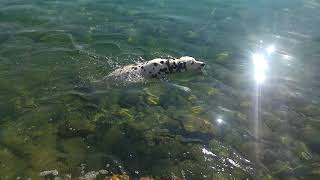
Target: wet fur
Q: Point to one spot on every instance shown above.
(157, 68)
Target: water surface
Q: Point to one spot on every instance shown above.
(218, 125)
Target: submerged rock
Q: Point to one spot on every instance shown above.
(11, 165)
(283, 170)
(222, 57)
(75, 151)
(213, 91)
(152, 98)
(76, 125)
(92, 175)
(197, 126)
(197, 109)
(107, 48)
(125, 113)
(49, 172)
(311, 110)
(302, 151)
(117, 177)
(192, 35)
(146, 178)
(310, 135)
(57, 39)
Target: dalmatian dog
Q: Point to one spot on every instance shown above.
(157, 68)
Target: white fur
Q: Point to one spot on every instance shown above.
(156, 68)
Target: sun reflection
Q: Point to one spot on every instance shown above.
(271, 49)
(285, 56)
(220, 121)
(260, 67)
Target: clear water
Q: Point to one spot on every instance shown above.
(218, 125)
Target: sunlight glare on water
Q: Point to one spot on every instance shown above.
(260, 67)
(252, 114)
(271, 49)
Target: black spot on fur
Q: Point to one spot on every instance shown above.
(163, 69)
(135, 68)
(149, 72)
(159, 72)
(132, 67)
(144, 70)
(155, 64)
(141, 67)
(161, 62)
(168, 66)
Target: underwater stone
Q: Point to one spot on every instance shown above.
(92, 175)
(57, 39)
(268, 157)
(302, 151)
(248, 150)
(213, 91)
(76, 125)
(32, 137)
(100, 116)
(153, 100)
(283, 169)
(103, 171)
(11, 165)
(24, 102)
(192, 35)
(285, 139)
(310, 135)
(75, 149)
(117, 177)
(311, 110)
(151, 41)
(272, 121)
(218, 148)
(315, 170)
(195, 125)
(197, 109)
(131, 40)
(125, 113)
(107, 48)
(267, 177)
(114, 139)
(146, 178)
(49, 172)
(222, 57)
(192, 98)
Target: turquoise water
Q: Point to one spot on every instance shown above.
(55, 114)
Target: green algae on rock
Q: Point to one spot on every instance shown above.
(195, 125)
(302, 151)
(311, 110)
(75, 151)
(11, 165)
(197, 109)
(309, 133)
(222, 57)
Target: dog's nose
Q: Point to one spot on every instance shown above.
(203, 64)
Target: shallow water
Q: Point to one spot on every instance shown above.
(56, 114)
